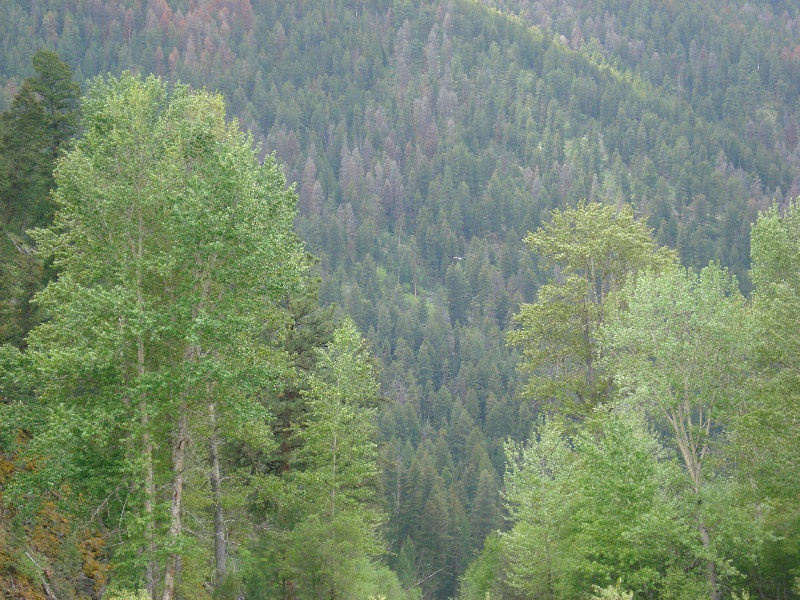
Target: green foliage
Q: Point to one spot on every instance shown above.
(595, 513)
(34, 132)
(763, 432)
(612, 592)
(421, 132)
(593, 250)
(483, 576)
(677, 353)
(674, 347)
(162, 204)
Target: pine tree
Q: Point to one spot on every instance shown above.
(334, 484)
(36, 129)
(485, 515)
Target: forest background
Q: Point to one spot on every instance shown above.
(425, 141)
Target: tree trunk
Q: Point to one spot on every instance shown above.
(693, 453)
(149, 480)
(149, 493)
(137, 247)
(216, 490)
(178, 455)
(711, 565)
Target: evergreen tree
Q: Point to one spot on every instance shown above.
(335, 483)
(36, 129)
(485, 516)
(59, 95)
(35, 132)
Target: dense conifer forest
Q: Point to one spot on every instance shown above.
(399, 299)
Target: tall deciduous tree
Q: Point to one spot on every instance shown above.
(171, 239)
(766, 430)
(593, 250)
(676, 353)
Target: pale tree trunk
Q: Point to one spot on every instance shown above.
(711, 566)
(692, 443)
(149, 491)
(178, 455)
(191, 354)
(550, 587)
(216, 490)
(144, 419)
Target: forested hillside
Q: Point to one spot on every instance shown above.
(425, 141)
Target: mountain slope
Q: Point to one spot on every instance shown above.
(426, 139)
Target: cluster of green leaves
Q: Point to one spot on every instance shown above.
(662, 489)
(594, 250)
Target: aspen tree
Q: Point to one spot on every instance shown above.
(172, 242)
